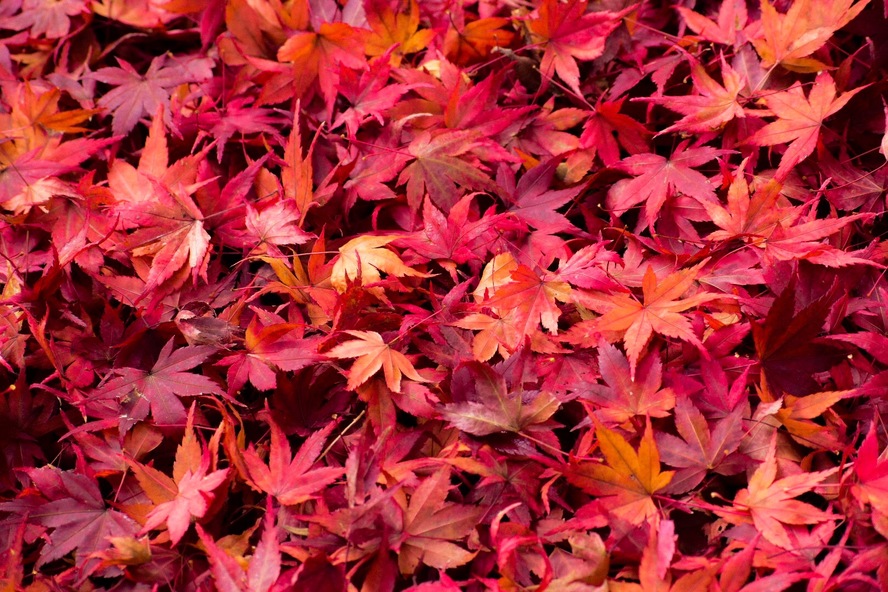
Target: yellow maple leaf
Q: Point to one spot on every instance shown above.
(365, 257)
(629, 479)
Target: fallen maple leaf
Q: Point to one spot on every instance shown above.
(290, 478)
(731, 20)
(373, 354)
(531, 300)
(659, 178)
(701, 448)
(800, 118)
(713, 105)
(137, 95)
(567, 32)
(364, 257)
(264, 567)
(431, 523)
(788, 39)
(624, 398)
(161, 387)
(659, 312)
(188, 494)
(75, 513)
(769, 504)
(629, 479)
(438, 168)
(318, 55)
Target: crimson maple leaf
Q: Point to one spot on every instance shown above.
(264, 566)
(534, 202)
(160, 387)
(431, 524)
(290, 478)
(701, 448)
(567, 32)
(787, 346)
(713, 105)
(871, 470)
(607, 129)
(76, 514)
(275, 225)
(483, 406)
(658, 178)
(731, 20)
(439, 165)
(624, 398)
(137, 95)
(800, 119)
(370, 93)
(269, 346)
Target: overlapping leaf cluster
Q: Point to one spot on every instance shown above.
(394, 294)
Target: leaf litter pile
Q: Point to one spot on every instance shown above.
(520, 295)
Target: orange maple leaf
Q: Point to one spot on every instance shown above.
(768, 504)
(660, 312)
(788, 39)
(494, 334)
(373, 353)
(474, 42)
(629, 479)
(395, 28)
(317, 55)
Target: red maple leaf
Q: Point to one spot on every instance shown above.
(567, 32)
(624, 398)
(76, 515)
(532, 299)
(269, 345)
(264, 566)
(160, 387)
(440, 165)
(713, 105)
(800, 119)
(701, 447)
(185, 496)
(431, 524)
(607, 130)
(726, 29)
(658, 178)
(291, 479)
(137, 95)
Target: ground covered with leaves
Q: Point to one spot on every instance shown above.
(394, 295)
